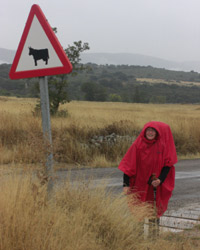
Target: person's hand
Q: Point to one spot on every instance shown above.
(155, 183)
(126, 190)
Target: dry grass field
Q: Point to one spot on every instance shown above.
(80, 218)
(180, 83)
(21, 132)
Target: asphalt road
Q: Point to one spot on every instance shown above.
(187, 183)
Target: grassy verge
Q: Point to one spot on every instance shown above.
(78, 218)
(21, 139)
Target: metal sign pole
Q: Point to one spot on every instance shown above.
(46, 126)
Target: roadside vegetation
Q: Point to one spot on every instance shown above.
(108, 83)
(75, 218)
(81, 216)
(21, 139)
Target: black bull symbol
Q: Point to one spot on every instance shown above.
(39, 54)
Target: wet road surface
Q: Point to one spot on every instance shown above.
(187, 182)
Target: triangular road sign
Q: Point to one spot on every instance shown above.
(39, 52)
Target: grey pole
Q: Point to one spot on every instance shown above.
(46, 126)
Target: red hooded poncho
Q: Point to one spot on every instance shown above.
(145, 158)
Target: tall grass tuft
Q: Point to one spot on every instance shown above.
(81, 216)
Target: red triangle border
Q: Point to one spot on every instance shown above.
(65, 69)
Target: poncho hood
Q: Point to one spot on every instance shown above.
(150, 125)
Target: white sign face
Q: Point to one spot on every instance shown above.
(38, 52)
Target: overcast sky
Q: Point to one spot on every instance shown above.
(168, 29)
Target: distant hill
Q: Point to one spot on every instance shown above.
(140, 60)
(126, 59)
(7, 56)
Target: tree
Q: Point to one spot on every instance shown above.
(89, 88)
(158, 99)
(94, 92)
(136, 95)
(74, 52)
(115, 98)
(101, 94)
(58, 84)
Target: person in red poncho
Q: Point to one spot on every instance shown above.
(148, 165)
